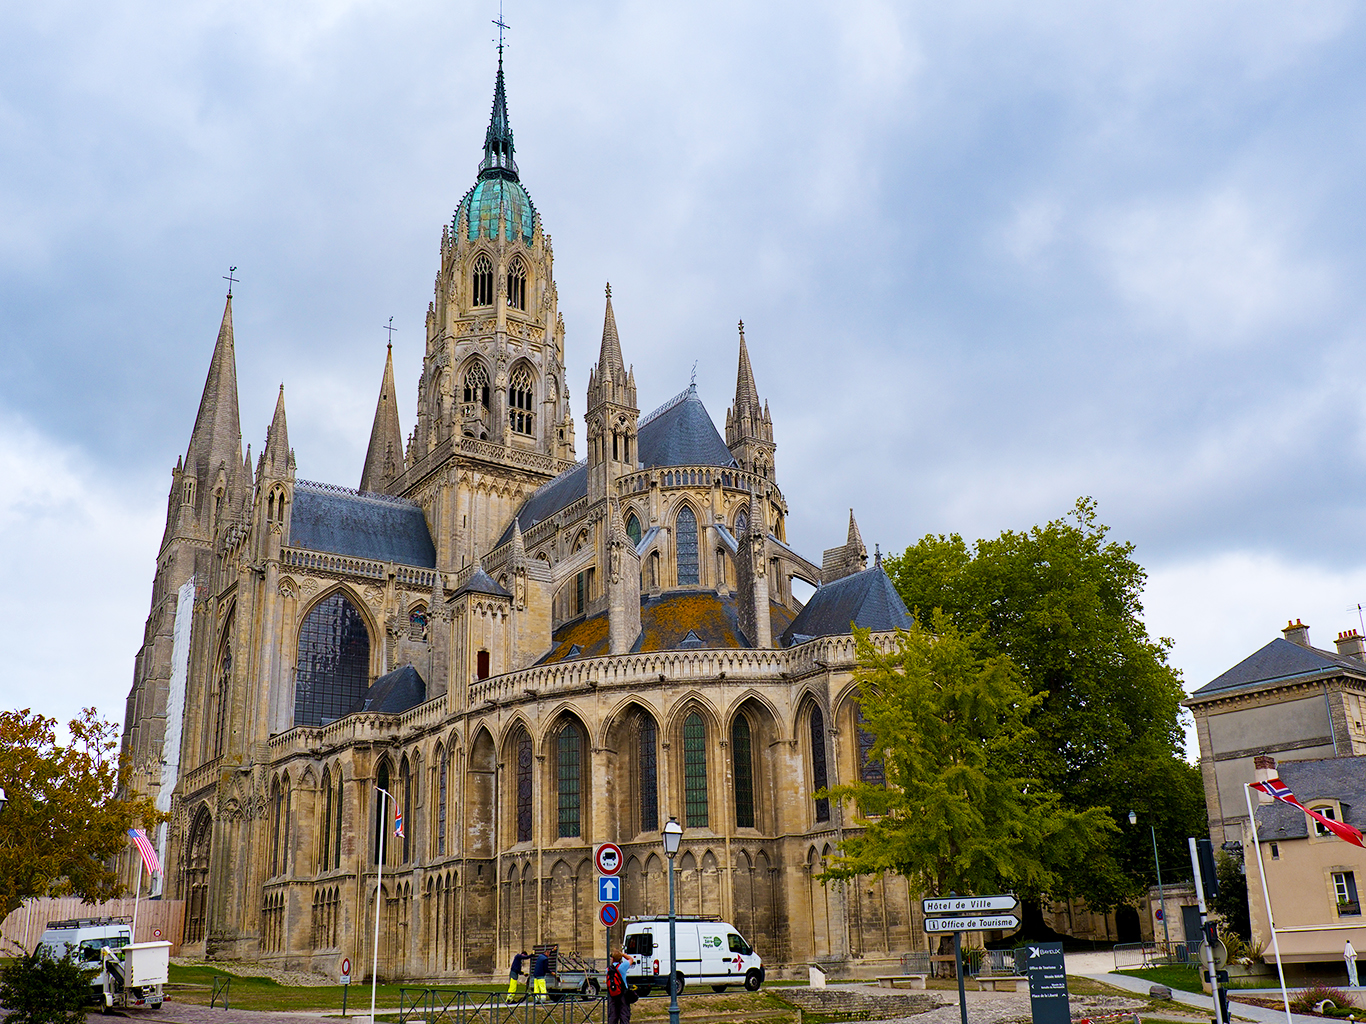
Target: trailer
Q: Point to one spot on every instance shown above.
(134, 975)
(571, 974)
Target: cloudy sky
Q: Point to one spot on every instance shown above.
(990, 257)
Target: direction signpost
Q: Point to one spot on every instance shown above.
(345, 980)
(959, 914)
(609, 861)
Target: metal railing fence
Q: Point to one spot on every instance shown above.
(1130, 955)
(458, 1006)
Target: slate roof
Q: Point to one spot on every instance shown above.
(394, 693)
(345, 522)
(867, 599)
(1338, 778)
(481, 583)
(678, 620)
(678, 433)
(1280, 660)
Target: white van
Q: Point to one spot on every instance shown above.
(710, 952)
(130, 974)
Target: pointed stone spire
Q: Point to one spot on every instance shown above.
(498, 147)
(746, 394)
(749, 429)
(847, 559)
(610, 356)
(384, 457)
(854, 537)
(517, 555)
(276, 459)
(217, 435)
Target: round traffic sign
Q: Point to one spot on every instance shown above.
(609, 858)
(346, 965)
(156, 933)
(609, 914)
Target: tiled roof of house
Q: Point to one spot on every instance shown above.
(1337, 778)
(1279, 661)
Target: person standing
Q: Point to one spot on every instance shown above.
(618, 995)
(514, 974)
(540, 967)
(1349, 955)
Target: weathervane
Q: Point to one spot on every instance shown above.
(694, 373)
(391, 329)
(230, 279)
(502, 27)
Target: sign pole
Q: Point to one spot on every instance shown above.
(379, 893)
(1266, 895)
(1207, 947)
(958, 965)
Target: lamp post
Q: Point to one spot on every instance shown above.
(3, 799)
(673, 836)
(1161, 892)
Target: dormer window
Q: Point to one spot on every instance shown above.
(482, 282)
(517, 284)
(1320, 829)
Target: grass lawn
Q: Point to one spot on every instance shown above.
(1187, 979)
(195, 985)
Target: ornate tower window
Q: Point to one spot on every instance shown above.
(649, 774)
(633, 528)
(569, 755)
(695, 771)
(741, 751)
(819, 776)
(417, 624)
(522, 745)
(477, 386)
(334, 662)
(517, 284)
(481, 281)
(685, 547)
(519, 401)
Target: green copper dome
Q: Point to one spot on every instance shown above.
(498, 192)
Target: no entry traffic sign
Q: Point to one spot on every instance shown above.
(609, 858)
(609, 914)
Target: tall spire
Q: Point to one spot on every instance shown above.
(746, 394)
(384, 458)
(276, 456)
(610, 356)
(217, 434)
(749, 428)
(498, 147)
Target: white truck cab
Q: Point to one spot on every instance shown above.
(710, 952)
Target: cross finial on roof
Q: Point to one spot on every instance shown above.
(609, 289)
(502, 27)
(230, 279)
(877, 555)
(694, 373)
(391, 329)
(742, 328)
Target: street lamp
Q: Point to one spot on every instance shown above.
(673, 836)
(1161, 892)
(3, 799)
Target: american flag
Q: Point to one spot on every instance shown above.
(398, 823)
(148, 851)
(1278, 789)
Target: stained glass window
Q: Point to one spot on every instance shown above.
(406, 788)
(277, 809)
(325, 861)
(686, 547)
(744, 772)
(523, 744)
(337, 850)
(870, 769)
(570, 757)
(695, 771)
(441, 804)
(649, 774)
(819, 777)
(741, 523)
(482, 281)
(220, 738)
(633, 528)
(383, 814)
(334, 662)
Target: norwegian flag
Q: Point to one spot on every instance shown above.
(148, 851)
(398, 823)
(1278, 789)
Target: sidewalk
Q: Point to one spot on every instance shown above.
(1204, 1002)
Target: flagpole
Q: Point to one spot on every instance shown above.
(137, 894)
(379, 892)
(1266, 895)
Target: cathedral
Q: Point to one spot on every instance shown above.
(518, 653)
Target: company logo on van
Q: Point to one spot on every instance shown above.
(711, 940)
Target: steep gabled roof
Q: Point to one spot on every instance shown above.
(1279, 661)
(481, 582)
(394, 693)
(867, 599)
(344, 522)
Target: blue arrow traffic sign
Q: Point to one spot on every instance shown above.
(609, 889)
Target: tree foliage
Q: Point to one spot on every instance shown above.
(958, 812)
(65, 819)
(39, 988)
(1064, 604)
(1231, 903)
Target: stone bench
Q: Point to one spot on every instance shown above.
(899, 980)
(1000, 983)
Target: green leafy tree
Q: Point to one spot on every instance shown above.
(65, 820)
(1063, 602)
(1231, 903)
(959, 811)
(38, 988)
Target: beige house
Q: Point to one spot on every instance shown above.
(1312, 875)
(532, 654)
(1290, 700)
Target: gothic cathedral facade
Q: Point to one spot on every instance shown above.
(520, 654)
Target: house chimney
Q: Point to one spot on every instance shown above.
(1264, 765)
(1297, 633)
(1351, 644)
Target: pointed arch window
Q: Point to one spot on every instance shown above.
(220, 730)
(325, 861)
(443, 766)
(277, 805)
(517, 284)
(870, 768)
(417, 624)
(481, 281)
(334, 662)
(569, 760)
(523, 747)
(820, 778)
(685, 547)
(695, 771)
(477, 385)
(633, 528)
(742, 752)
(519, 401)
(383, 814)
(648, 768)
(741, 523)
(405, 796)
(337, 822)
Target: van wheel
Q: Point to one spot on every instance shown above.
(678, 984)
(752, 981)
(718, 988)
